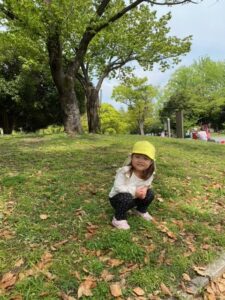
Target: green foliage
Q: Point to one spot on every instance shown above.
(102, 37)
(28, 97)
(199, 91)
(138, 95)
(138, 36)
(112, 121)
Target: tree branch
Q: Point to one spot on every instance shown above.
(101, 9)
(171, 2)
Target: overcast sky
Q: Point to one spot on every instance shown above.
(205, 22)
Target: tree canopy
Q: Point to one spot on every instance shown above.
(199, 90)
(65, 29)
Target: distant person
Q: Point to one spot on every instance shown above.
(162, 134)
(202, 135)
(132, 185)
(188, 134)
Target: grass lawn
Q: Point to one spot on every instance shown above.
(56, 238)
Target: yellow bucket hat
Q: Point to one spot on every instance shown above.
(144, 147)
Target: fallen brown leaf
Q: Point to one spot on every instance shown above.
(43, 216)
(59, 244)
(45, 260)
(221, 287)
(211, 297)
(19, 263)
(49, 275)
(76, 274)
(192, 248)
(8, 280)
(161, 257)
(165, 289)
(86, 286)
(106, 276)
(115, 289)
(16, 297)
(113, 262)
(64, 296)
(199, 270)
(186, 277)
(209, 290)
(6, 234)
(206, 247)
(138, 291)
(150, 248)
(171, 235)
(190, 291)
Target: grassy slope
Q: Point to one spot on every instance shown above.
(68, 180)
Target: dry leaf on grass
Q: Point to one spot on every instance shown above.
(165, 289)
(169, 233)
(45, 260)
(17, 297)
(59, 244)
(127, 269)
(8, 280)
(161, 258)
(206, 246)
(150, 248)
(212, 297)
(192, 247)
(43, 216)
(199, 270)
(115, 289)
(49, 275)
(221, 287)
(160, 199)
(66, 297)
(190, 291)
(6, 234)
(186, 277)
(138, 291)
(76, 274)
(113, 262)
(106, 276)
(19, 263)
(86, 286)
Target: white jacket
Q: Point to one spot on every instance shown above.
(124, 183)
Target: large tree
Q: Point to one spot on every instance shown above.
(66, 28)
(130, 39)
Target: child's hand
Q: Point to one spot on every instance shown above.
(141, 192)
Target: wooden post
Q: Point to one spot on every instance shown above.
(180, 124)
(168, 127)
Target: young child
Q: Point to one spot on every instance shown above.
(132, 184)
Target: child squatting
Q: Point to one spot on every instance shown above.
(132, 185)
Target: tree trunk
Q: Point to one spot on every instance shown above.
(141, 127)
(93, 109)
(69, 104)
(7, 123)
(64, 82)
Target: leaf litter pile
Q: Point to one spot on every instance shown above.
(56, 237)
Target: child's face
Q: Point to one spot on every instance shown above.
(140, 162)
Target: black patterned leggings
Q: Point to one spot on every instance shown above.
(123, 202)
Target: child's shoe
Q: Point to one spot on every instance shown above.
(145, 215)
(120, 224)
